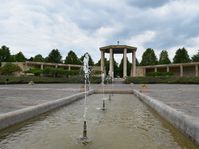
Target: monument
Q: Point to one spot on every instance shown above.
(119, 49)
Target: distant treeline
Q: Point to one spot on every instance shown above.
(148, 58)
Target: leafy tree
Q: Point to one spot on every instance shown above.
(54, 56)
(91, 63)
(38, 58)
(72, 58)
(164, 58)
(137, 62)
(4, 54)
(12, 58)
(106, 64)
(121, 68)
(149, 58)
(9, 69)
(195, 57)
(181, 56)
(30, 59)
(19, 57)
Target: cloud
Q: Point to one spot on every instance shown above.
(36, 26)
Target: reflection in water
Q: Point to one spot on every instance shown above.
(127, 123)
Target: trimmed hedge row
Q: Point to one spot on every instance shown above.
(38, 79)
(162, 80)
(53, 72)
(154, 74)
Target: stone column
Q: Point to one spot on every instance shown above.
(42, 66)
(196, 70)
(56, 66)
(155, 69)
(111, 63)
(181, 70)
(69, 67)
(125, 63)
(168, 69)
(102, 61)
(133, 67)
(144, 72)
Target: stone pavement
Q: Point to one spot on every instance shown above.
(184, 98)
(14, 97)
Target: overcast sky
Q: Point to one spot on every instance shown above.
(38, 26)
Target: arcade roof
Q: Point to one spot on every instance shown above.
(118, 49)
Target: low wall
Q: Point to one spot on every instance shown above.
(114, 91)
(187, 124)
(11, 118)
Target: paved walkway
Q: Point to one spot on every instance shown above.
(14, 97)
(184, 98)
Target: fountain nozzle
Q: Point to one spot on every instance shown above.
(103, 105)
(85, 131)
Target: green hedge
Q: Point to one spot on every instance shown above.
(162, 80)
(53, 72)
(154, 74)
(39, 79)
(9, 69)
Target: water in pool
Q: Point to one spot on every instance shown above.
(126, 123)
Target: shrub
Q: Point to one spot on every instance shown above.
(9, 69)
(162, 79)
(35, 71)
(154, 74)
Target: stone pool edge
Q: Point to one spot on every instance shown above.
(14, 117)
(185, 123)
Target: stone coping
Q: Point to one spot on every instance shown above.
(14, 117)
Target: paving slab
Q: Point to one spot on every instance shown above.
(184, 98)
(14, 97)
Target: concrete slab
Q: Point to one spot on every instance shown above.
(184, 98)
(14, 97)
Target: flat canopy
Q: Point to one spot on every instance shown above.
(118, 49)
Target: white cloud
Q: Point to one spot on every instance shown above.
(36, 26)
(139, 41)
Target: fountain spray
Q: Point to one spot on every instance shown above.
(103, 103)
(84, 138)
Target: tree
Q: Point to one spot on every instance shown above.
(121, 68)
(149, 58)
(54, 56)
(30, 59)
(164, 58)
(195, 57)
(38, 58)
(72, 58)
(137, 62)
(9, 68)
(19, 57)
(181, 56)
(4, 54)
(91, 63)
(12, 58)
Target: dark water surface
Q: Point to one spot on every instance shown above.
(126, 124)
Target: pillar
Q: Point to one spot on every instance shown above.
(56, 66)
(69, 67)
(42, 66)
(133, 67)
(102, 61)
(168, 69)
(181, 70)
(196, 70)
(125, 63)
(155, 69)
(111, 64)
